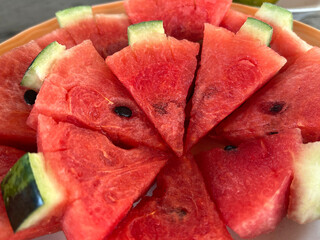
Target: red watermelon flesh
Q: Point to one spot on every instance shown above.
(108, 34)
(233, 20)
(288, 44)
(113, 33)
(82, 90)
(102, 181)
(8, 157)
(13, 109)
(85, 29)
(284, 42)
(181, 19)
(232, 68)
(290, 100)
(59, 35)
(250, 184)
(158, 74)
(180, 208)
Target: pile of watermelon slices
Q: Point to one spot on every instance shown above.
(173, 121)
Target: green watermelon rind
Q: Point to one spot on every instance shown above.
(39, 68)
(257, 3)
(144, 30)
(31, 169)
(276, 15)
(304, 206)
(72, 16)
(258, 30)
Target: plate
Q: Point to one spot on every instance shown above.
(286, 229)
(300, 5)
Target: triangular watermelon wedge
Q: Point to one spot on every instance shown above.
(232, 68)
(180, 208)
(158, 73)
(284, 41)
(81, 89)
(107, 32)
(101, 180)
(290, 100)
(14, 110)
(8, 157)
(79, 23)
(250, 183)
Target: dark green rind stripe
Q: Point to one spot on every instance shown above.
(23, 204)
(20, 192)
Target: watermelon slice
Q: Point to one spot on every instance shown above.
(284, 41)
(102, 185)
(288, 101)
(80, 24)
(180, 208)
(40, 66)
(60, 35)
(82, 90)
(113, 33)
(250, 183)
(158, 72)
(13, 108)
(108, 32)
(232, 68)
(182, 19)
(8, 157)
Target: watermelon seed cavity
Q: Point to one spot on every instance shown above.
(160, 108)
(182, 212)
(277, 107)
(229, 147)
(123, 111)
(272, 108)
(272, 133)
(30, 97)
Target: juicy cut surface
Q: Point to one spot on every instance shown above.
(290, 100)
(8, 157)
(101, 180)
(60, 35)
(228, 75)
(14, 110)
(108, 32)
(250, 183)
(284, 41)
(113, 33)
(82, 90)
(180, 208)
(182, 19)
(158, 74)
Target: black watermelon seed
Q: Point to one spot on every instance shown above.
(123, 111)
(273, 108)
(276, 107)
(30, 97)
(182, 212)
(229, 147)
(272, 133)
